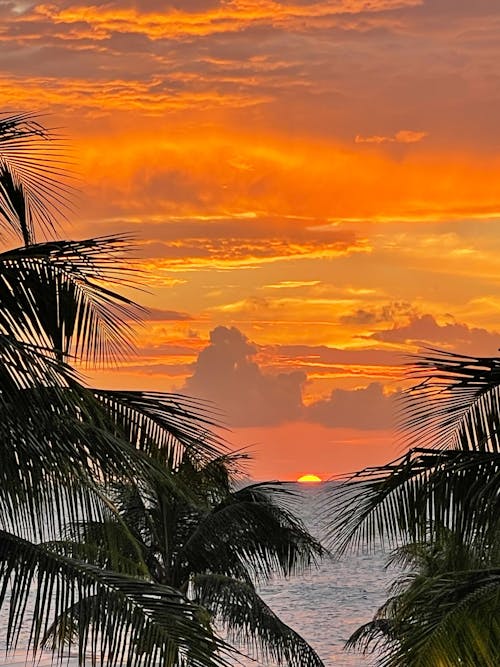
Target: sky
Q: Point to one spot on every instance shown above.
(314, 188)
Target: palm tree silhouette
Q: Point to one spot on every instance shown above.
(439, 505)
(212, 542)
(112, 502)
(60, 439)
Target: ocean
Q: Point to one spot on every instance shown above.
(324, 605)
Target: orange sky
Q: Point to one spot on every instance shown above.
(315, 189)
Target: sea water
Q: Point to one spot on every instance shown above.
(324, 604)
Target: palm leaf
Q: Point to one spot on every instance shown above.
(378, 636)
(24, 367)
(460, 626)
(33, 175)
(454, 391)
(54, 295)
(56, 446)
(132, 622)
(247, 618)
(162, 520)
(446, 612)
(440, 613)
(418, 495)
(250, 532)
(164, 426)
(450, 479)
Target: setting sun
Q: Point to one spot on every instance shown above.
(309, 478)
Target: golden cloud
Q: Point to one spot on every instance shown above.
(320, 188)
(401, 137)
(230, 253)
(230, 16)
(117, 95)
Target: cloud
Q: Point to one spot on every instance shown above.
(200, 19)
(226, 374)
(401, 137)
(368, 408)
(409, 136)
(159, 315)
(293, 284)
(360, 316)
(153, 58)
(333, 355)
(193, 253)
(235, 242)
(424, 330)
(387, 313)
(172, 370)
(152, 95)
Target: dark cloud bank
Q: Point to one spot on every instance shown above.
(227, 374)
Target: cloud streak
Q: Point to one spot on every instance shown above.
(424, 330)
(400, 137)
(221, 17)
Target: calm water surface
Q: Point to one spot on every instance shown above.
(327, 604)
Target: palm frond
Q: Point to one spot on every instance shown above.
(131, 622)
(459, 626)
(33, 177)
(59, 444)
(439, 609)
(25, 367)
(212, 479)
(454, 391)
(248, 619)
(57, 441)
(418, 495)
(54, 294)
(250, 532)
(107, 544)
(160, 522)
(450, 478)
(163, 425)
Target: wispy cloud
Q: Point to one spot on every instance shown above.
(401, 137)
(220, 17)
(293, 284)
(154, 96)
(425, 330)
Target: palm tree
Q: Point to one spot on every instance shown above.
(440, 503)
(61, 441)
(215, 546)
(443, 611)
